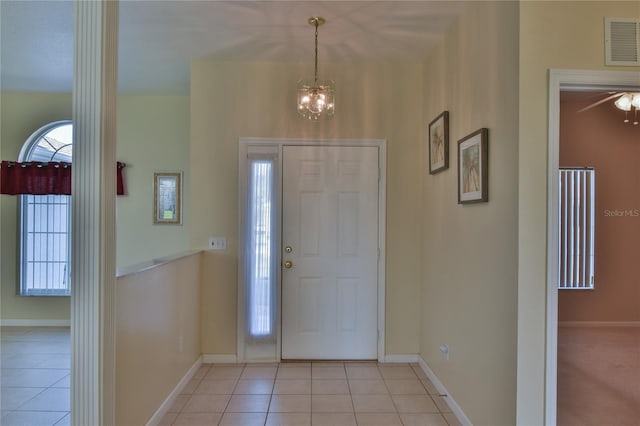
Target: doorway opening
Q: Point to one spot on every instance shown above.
(311, 257)
(573, 84)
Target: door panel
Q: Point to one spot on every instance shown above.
(330, 220)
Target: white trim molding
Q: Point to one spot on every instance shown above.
(455, 408)
(562, 79)
(219, 359)
(390, 359)
(168, 402)
(34, 323)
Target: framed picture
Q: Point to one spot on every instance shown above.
(439, 143)
(167, 198)
(473, 168)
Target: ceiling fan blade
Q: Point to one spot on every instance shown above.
(601, 101)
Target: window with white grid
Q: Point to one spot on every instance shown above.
(45, 220)
(46, 246)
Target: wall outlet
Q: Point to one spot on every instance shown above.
(217, 243)
(445, 351)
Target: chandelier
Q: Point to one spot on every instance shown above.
(316, 98)
(626, 102)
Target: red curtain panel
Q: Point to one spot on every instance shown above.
(43, 178)
(120, 178)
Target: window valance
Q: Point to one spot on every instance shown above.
(38, 178)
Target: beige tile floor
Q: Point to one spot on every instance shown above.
(338, 394)
(35, 373)
(34, 377)
(598, 376)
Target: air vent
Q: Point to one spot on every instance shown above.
(622, 41)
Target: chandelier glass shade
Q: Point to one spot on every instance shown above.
(628, 102)
(316, 98)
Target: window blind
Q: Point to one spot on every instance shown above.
(577, 228)
(261, 252)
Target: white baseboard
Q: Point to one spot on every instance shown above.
(598, 323)
(400, 358)
(220, 359)
(34, 323)
(455, 408)
(168, 402)
(233, 359)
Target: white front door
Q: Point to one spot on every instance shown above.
(330, 237)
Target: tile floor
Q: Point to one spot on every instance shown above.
(338, 394)
(34, 379)
(35, 373)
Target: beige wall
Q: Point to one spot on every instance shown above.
(153, 135)
(233, 100)
(470, 251)
(23, 114)
(554, 34)
(599, 138)
(157, 336)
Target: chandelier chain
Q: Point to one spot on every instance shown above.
(315, 75)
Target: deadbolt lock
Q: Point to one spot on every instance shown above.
(288, 249)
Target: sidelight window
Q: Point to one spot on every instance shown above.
(261, 253)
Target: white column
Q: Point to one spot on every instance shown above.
(93, 213)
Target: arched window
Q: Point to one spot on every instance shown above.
(45, 220)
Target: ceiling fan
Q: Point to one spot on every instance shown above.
(626, 101)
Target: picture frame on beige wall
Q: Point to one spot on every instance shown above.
(167, 198)
(439, 143)
(473, 167)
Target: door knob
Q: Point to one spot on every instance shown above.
(288, 264)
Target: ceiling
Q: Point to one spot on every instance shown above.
(159, 39)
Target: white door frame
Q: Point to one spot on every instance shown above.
(244, 143)
(564, 79)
